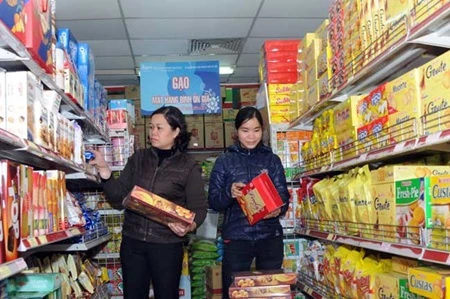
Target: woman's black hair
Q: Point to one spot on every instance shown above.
(247, 113)
(176, 119)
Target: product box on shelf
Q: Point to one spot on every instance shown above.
(405, 109)
(248, 96)
(434, 84)
(157, 208)
(118, 119)
(213, 118)
(86, 69)
(11, 209)
(20, 96)
(260, 198)
(401, 265)
(26, 201)
(229, 114)
(345, 114)
(277, 89)
(430, 282)
(197, 136)
(214, 279)
(260, 291)
(52, 101)
(438, 218)
(393, 285)
(69, 43)
(264, 278)
(230, 133)
(313, 95)
(214, 135)
(30, 22)
(41, 121)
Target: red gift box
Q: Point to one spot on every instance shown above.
(260, 198)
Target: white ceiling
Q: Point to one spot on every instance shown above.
(124, 33)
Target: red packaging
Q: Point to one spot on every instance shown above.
(156, 208)
(117, 119)
(30, 20)
(281, 78)
(281, 67)
(281, 45)
(281, 56)
(260, 198)
(26, 204)
(11, 209)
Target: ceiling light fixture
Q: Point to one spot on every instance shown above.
(226, 70)
(223, 70)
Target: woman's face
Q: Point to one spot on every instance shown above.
(161, 134)
(250, 133)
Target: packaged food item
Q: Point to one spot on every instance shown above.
(347, 275)
(393, 285)
(264, 278)
(260, 198)
(156, 208)
(430, 282)
(401, 265)
(347, 203)
(438, 217)
(260, 292)
(363, 202)
(329, 266)
(339, 258)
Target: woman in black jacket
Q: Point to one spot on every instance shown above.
(151, 251)
(232, 171)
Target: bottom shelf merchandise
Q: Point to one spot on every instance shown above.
(61, 276)
(331, 271)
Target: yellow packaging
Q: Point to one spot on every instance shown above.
(322, 30)
(280, 119)
(328, 266)
(345, 114)
(313, 94)
(384, 211)
(312, 52)
(347, 276)
(363, 112)
(435, 85)
(339, 259)
(307, 40)
(365, 277)
(366, 31)
(439, 220)
(376, 27)
(401, 265)
(420, 12)
(395, 19)
(324, 201)
(324, 62)
(334, 192)
(328, 121)
(324, 88)
(392, 173)
(273, 89)
(363, 202)
(430, 282)
(393, 285)
(347, 203)
(280, 99)
(347, 144)
(311, 75)
(403, 96)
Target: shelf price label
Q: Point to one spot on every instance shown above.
(42, 240)
(33, 242)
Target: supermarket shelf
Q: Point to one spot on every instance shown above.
(205, 151)
(84, 176)
(20, 56)
(12, 268)
(411, 251)
(420, 144)
(101, 256)
(110, 212)
(309, 290)
(27, 152)
(35, 242)
(79, 246)
(408, 51)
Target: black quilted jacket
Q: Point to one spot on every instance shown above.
(177, 179)
(242, 165)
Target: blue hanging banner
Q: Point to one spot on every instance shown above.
(193, 87)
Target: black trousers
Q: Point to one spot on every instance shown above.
(238, 256)
(143, 262)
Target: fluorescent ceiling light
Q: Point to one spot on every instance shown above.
(226, 70)
(223, 70)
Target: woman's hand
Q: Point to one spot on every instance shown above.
(100, 164)
(236, 190)
(273, 214)
(180, 229)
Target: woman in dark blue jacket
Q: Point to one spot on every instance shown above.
(233, 170)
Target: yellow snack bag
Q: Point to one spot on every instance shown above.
(339, 258)
(329, 267)
(348, 204)
(365, 278)
(334, 192)
(363, 201)
(347, 278)
(323, 196)
(342, 183)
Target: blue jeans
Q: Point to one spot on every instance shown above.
(238, 256)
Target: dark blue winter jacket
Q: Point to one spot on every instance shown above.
(242, 165)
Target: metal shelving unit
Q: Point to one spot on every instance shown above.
(12, 268)
(78, 246)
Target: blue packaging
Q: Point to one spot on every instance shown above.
(68, 41)
(86, 71)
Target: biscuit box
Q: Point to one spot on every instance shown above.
(264, 278)
(260, 292)
(156, 208)
(260, 198)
